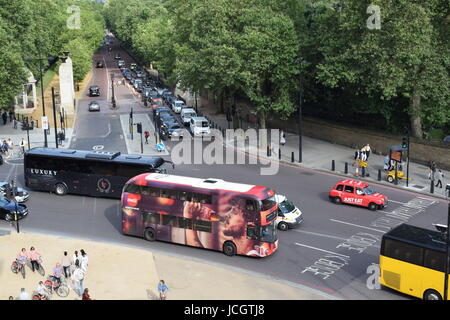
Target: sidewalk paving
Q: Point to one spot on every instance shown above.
(124, 273)
(318, 155)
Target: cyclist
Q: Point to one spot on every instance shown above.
(34, 258)
(22, 257)
(57, 274)
(42, 291)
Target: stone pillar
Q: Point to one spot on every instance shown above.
(66, 87)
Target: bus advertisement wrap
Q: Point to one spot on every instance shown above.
(200, 217)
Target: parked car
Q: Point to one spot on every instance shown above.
(171, 128)
(133, 66)
(138, 85)
(289, 216)
(21, 195)
(139, 74)
(117, 56)
(357, 193)
(186, 115)
(94, 91)
(99, 64)
(199, 126)
(125, 71)
(121, 64)
(166, 95)
(94, 106)
(8, 209)
(164, 118)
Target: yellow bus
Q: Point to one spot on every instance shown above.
(412, 261)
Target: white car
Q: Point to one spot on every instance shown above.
(199, 126)
(289, 216)
(187, 114)
(177, 106)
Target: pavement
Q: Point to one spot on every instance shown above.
(319, 155)
(127, 273)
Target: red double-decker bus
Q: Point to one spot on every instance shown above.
(207, 213)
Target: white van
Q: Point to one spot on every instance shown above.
(199, 126)
(289, 216)
(187, 114)
(177, 106)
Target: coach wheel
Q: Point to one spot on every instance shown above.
(337, 200)
(372, 206)
(150, 234)
(283, 226)
(60, 189)
(390, 179)
(229, 248)
(431, 295)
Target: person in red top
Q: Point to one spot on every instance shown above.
(86, 295)
(146, 134)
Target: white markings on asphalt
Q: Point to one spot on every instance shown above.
(109, 131)
(390, 200)
(99, 147)
(319, 234)
(326, 251)
(356, 225)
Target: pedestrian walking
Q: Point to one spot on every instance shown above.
(84, 260)
(34, 257)
(23, 295)
(86, 295)
(366, 149)
(440, 176)
(162, 289)
(22, 146)
(4, 117)
(14, 122)
(78, 277)
(11, 115)
(433, 170)
(66, 262)
(282, 138)
(76, 260)
(146, 135)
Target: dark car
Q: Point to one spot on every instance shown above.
(121, 64)
(171, 127)
(164, 118)
(21, 195)
(9, 208)
(166, 95)
(117, 56)
(94, 91)
(100, 64)
(161, 109)
(94, 106)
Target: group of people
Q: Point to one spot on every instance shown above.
(7, 114)
(73, 268)
(360, 160)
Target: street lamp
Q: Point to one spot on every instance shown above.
(51, 60)
(299, 118)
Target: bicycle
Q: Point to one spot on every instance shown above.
(17, 267)
(37, 296)
(59, 287)
(40, 269)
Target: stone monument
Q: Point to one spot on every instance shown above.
(66, 87)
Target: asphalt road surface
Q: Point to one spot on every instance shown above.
(335, 250)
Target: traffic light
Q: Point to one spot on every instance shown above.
(139, 127)
(405, 140)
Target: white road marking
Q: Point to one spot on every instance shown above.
(319, 234)
(109, 131)
(356, 225)
(402, 203)
(326, 251)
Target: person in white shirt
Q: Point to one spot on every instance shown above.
(42, 290)
(84, 259)
(78, 277)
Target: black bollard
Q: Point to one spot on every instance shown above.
(379, 174)
(332, 165)
(292, 157)
(279, 154)
(432, 186)
(268, 151)
(346, 167)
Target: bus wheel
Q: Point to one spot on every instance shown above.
(373, 206)
(283, 226)
(60, 189)
(150, 234)
(229, 248)
(431, 295)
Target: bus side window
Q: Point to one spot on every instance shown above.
(434, 260)
(204, 198)
(153, 218)
(184, 223)
(170, 221)
(252, 232)
(185, 196)
(195, 197)
(164, 193)
(201, 225)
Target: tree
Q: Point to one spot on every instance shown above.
(406, 57)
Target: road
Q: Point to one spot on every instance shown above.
(332, 251)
